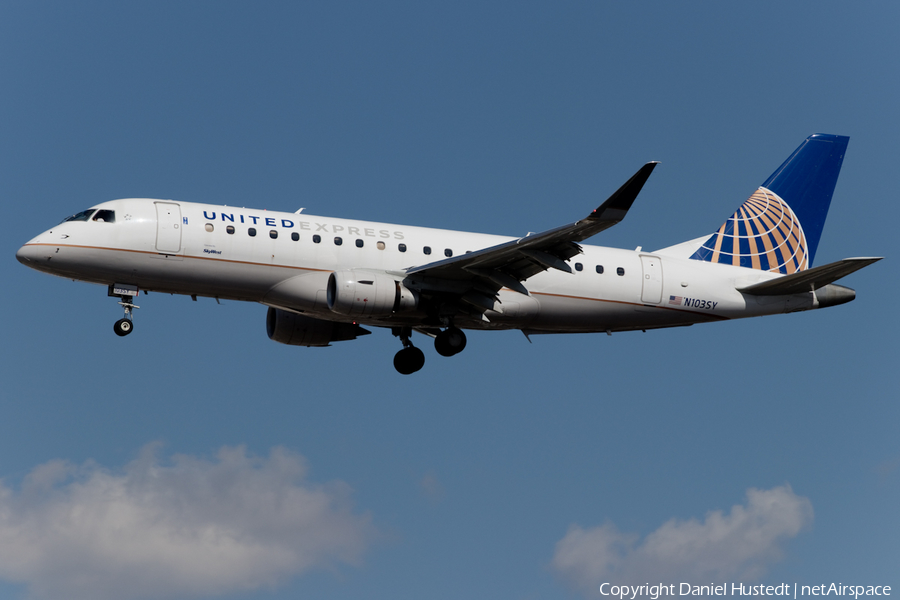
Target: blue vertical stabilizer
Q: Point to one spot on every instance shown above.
(806, 182)
(778, 228)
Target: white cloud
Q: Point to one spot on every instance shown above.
(186, 527)
(736, 545)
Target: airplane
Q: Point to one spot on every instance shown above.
(323, 279)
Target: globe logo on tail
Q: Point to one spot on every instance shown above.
(764, 233)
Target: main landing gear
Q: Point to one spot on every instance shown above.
(411, 359)
(450, 341)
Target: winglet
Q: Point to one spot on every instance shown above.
(617, 205)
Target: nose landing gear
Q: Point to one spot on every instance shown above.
(123, 327)
(125, 294)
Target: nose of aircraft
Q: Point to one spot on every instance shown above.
(25, 254)
(31, 255)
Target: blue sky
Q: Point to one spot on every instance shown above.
(196, 458)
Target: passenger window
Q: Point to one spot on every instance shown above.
(620, 271)
(359, 243)
(380, 245)
(338, 241)
(295, 236)
(600, 269)
(273, 234)
(229, 229)
(105, 216)
(251, 232)
(209, 227)
(448, 252)
(427, 249)
(402, 247)
(578, 266)
(317, 238)
(82, 216)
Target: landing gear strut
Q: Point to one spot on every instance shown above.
(125, 294)
(410, 359)
(450, 341)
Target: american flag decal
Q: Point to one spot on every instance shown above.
(676, 300)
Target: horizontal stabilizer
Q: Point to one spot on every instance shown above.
(810, 279)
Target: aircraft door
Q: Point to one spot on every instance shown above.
(651, 292)
(168, 227)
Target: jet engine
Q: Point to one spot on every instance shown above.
(299, 330)
(367, 294)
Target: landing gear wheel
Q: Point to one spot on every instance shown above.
(123, 327)
(409, 360)
(450, 341)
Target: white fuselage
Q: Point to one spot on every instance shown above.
(207, 250)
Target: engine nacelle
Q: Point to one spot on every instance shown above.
(366, 294)
(299, 330)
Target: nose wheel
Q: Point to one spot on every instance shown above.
(123, 327)
(410, 359)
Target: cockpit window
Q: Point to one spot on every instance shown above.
(82, 216)
(105, 216)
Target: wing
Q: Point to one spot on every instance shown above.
(475, 278)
